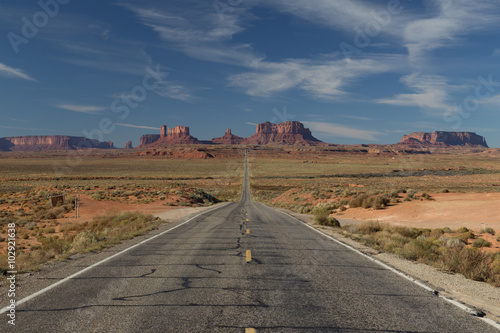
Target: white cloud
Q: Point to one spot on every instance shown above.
(336, 130)
(337, 14)
(322, 79)
(137, 126)
(174, 90)
(89, 109)
(431, 92)
(14, 72)
(453, 20)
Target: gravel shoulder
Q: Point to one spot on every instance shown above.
(475, 294)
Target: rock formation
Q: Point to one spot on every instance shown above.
(228, 139)
(444, 139)
(172, 136)
(128, 145)
(147, 139)
(287, 133)
(51, 142)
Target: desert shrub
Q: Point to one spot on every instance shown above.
(426, 196)
(478, 243)
(84, 240)
(452, 242)
(466, 236)
(462, 230)
(471, 263)
(369, 227)
(321, 217)
(437, 233)
(367, 201)
(421, 248)
(357, 201)
(447, 230)
(487, 231)
(326, 221)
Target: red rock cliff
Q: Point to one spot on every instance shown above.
(287, 133)
(51, 142)
(441, 138)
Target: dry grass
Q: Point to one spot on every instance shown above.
(431, 246)
(101, 232)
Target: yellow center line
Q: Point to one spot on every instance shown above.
(247, 220)
(249, 256)
(250, 330)
(248, 231)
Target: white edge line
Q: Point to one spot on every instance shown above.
(44, 290)
(418, 283)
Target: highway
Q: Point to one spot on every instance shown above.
(242, 267)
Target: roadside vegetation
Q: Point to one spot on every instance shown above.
(456, 251)
(71, 238)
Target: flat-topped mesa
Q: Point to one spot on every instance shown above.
(51, 142)
(286, 133)
(444, 139)
(148, 139)
(228, 139)
(128, 145)
(169, 136)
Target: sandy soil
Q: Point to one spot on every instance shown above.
(472, 210)
(90, 208)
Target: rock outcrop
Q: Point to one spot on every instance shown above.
(128, 145)
(228, 139)
(148, 139)
(287, 133)
(168, 137)
(51, 142)
(444, 139)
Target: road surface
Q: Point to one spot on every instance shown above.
(243, 267)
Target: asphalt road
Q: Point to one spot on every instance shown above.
(201, 278)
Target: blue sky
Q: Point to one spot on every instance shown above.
(353, 71)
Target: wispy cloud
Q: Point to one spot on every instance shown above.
(337, 14)
(321, 79)
(452, 20)
(89, 109)
(137, 126)
(431, 92)
(14, 73)
(336, 130)
(355, 117)
(175, 90)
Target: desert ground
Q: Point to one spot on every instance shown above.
(422, 188)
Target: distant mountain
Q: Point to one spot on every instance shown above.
(443, 139)
(50, 142)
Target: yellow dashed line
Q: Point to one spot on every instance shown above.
(248, 231)
(247, 220)
(249, 256)
(250, 330)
